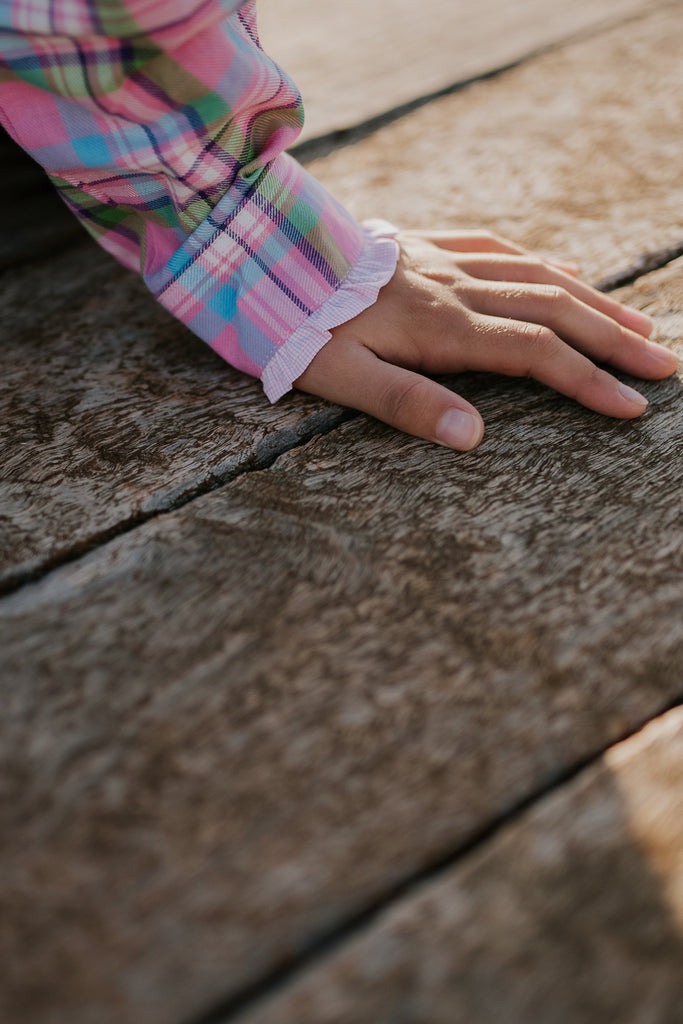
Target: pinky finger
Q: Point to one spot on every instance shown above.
(470, 241)
(485, 241)
(568, 268)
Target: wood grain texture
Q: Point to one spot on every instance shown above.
(586, 137)
(243, 723)
(234, 728)
(111, 410)
(572, 913)
(356, 60)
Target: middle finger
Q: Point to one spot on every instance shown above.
(528, 270)
(585, 328)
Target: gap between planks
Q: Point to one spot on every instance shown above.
(339, 138)
(320, 948)
(232, 1009)
(269, 453)
(329, 142)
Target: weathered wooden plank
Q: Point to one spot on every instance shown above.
(584, 136)
(345, 61)
(344, 58)
(355, 60)
(111, 410)
(243, 723)
(572, 913)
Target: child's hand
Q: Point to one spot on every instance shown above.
(474, 302)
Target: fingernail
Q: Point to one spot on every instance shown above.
(661, 355)
(631, 395)
(458, 429)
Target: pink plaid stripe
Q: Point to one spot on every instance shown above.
(164, 125)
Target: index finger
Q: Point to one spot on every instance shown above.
(521, 349)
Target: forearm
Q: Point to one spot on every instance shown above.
(164, 127)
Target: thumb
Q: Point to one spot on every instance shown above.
(353, 375)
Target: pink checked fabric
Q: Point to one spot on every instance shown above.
(164, 126)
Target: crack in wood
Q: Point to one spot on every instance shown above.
(269, 450)
(231, 1010)
(319, 947)
(267, 453)
(323, 145)
(645, 264)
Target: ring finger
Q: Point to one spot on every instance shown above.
(585, 328)
(521, 269)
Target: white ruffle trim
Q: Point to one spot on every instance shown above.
(374, 269)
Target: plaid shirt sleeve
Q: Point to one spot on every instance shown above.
(164, 126)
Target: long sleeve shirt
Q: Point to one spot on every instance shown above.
(164, 126)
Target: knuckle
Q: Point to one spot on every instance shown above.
(555, 294)
(613, 340)
(587, 382)
(541, 343)
(397, 399)
(532, 267)
(594, 376)
(491, 238)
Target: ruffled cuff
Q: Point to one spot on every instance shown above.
(374, 268)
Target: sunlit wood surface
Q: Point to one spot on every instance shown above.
(308, 721)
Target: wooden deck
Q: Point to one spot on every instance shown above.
(309, 722)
